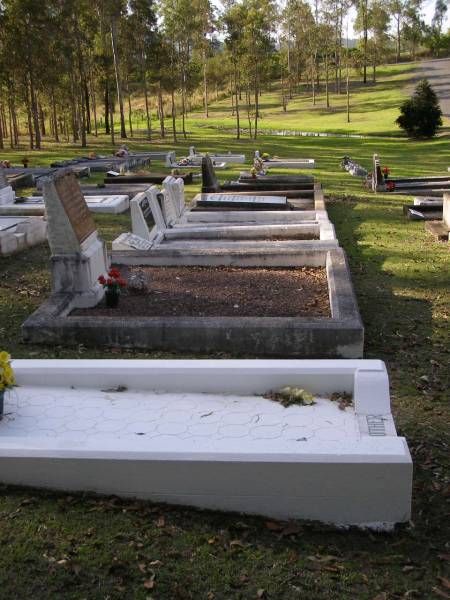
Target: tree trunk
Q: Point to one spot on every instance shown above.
(2, 145)
(55, 120)
(398, 39)
(111, 120)
(174, 125)
(29, 118)
(34, 112)
(107, 110)
(161, 112)
(205, 85)
(327, 93)
(130, 117)
(123, 133)
(88, 107)
(147, 108)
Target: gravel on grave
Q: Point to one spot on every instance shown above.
(222, 291)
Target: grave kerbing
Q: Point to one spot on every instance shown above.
(78, 254)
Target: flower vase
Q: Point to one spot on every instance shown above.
(112, 298)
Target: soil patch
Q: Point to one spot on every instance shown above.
(224, 292)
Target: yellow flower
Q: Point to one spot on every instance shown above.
(4, 357)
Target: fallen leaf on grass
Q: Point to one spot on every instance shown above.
(260, 593)
(149, 584)
(445, 582)
(161, 521)
(440, 593)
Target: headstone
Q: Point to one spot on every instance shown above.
(78, 254)
(446, 210)
(210, 183)
(147, 219)
(174, 205)
(377, 175)
(7, 194)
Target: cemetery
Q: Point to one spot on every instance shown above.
(224, 357)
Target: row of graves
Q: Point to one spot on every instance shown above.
(247, 268)
(431, 194)
(431, 202)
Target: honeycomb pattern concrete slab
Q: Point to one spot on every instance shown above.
(178, 422)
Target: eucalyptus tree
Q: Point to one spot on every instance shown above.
(397, 9)
(378, 24)
(231, 23)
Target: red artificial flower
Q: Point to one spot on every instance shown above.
(114, 273)
(102, 280)
(109, 281)
(390, 186)
(121, 282)
(386, 170)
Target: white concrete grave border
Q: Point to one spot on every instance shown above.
(287, 163)
(20, 233)
(35, 205)
(213, 234)
(178, 212)
(66, 429)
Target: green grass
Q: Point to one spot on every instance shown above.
(59, 546)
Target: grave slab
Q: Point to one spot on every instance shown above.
(34, 205)
(201, 433)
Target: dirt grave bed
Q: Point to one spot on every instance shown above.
(223, 291)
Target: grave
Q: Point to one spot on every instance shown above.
(130, 190)
(149, 179)
(20, 233)
(286, 163)
(210, 184)
(217, 157)
(34, 205)
(340, 334)
(78, 254)
(175, 191)
(378, 183)
(158, 208)
(189, 162)
(203, 434)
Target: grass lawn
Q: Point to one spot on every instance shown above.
(59, 546)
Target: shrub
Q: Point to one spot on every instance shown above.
(421, 115)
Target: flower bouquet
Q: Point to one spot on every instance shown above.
(113, 284)
(7, 379)
(386, 171)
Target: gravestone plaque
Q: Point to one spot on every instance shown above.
(74, 204)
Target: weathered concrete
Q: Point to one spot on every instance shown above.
(340, 336)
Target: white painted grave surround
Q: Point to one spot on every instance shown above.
(7, 194)
(34, 205)
(192, 161)
(225, 157)
(200, 433)
(287, 163)
(78, 254)
(160, 208)
(20, 233)
(175, 212)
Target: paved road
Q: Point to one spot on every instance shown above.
(438, 74)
